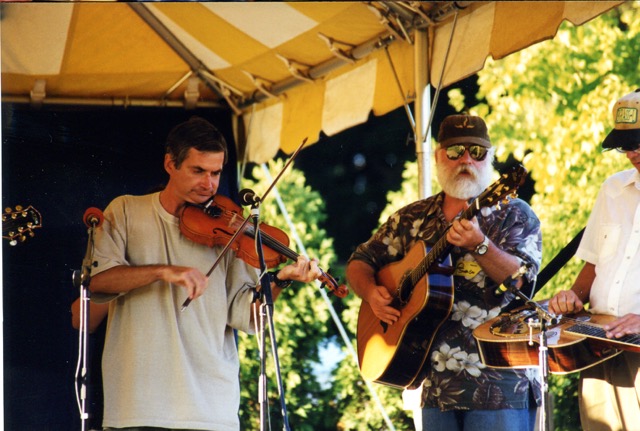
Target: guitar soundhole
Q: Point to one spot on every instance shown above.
(405, 289)
(513, 323)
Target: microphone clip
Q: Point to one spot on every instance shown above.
(249, 198)
(511, 281)
(93, 217)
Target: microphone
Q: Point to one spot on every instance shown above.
(511, 280)
(93, 217)
(248, 197)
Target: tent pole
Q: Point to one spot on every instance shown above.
(422, 109)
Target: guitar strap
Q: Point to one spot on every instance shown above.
(557, 262)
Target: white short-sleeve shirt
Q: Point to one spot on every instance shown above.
(611, 242)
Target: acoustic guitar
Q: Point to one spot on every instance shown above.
(422, 287)
(18, 223)
(576, 343)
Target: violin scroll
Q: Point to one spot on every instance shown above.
(340, 290)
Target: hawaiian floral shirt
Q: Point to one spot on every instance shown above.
(456, 378)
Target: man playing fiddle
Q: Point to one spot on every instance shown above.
(164, 368)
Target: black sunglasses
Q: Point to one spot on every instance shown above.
(628, 148)
(477, 152)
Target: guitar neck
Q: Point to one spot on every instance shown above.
(491, 196)
(442, 247)
(626, 342)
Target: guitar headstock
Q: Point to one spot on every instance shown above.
(503, 189)
(18, 223)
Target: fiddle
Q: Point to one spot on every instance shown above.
(218, 223)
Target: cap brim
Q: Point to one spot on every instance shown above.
(622, 139)
(465, 140)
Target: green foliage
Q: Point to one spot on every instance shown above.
(303, 326)
(359, 411)
(301, 318)
(408, 190)
(550, 105)
(566, 415)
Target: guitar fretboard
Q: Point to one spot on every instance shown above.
(597, 332)
(499, 190)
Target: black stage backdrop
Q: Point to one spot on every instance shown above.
(62, 162)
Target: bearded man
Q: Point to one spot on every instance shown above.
(459, 392)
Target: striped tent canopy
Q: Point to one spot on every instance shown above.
(287, 71)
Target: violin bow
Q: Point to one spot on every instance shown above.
(284, 168)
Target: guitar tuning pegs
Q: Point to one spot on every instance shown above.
(19, 222)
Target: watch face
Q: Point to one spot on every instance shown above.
(483, 246)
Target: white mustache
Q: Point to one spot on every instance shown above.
(466, 169)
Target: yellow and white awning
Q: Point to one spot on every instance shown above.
(290, 70)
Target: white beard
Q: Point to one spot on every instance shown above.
(464, 187)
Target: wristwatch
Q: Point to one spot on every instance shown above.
(482, 247)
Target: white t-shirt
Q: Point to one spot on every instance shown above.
(163, 367)
(611, 242)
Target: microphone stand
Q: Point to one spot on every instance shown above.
(266, 313)
(545, 320)
(81, 280)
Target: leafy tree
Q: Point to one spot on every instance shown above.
(303, 326)
(301, 318)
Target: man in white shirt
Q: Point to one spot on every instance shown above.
(610, 392)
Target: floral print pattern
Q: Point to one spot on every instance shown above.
(456, 378)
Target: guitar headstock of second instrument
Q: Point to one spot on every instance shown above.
(18, 223)
(504, 189)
